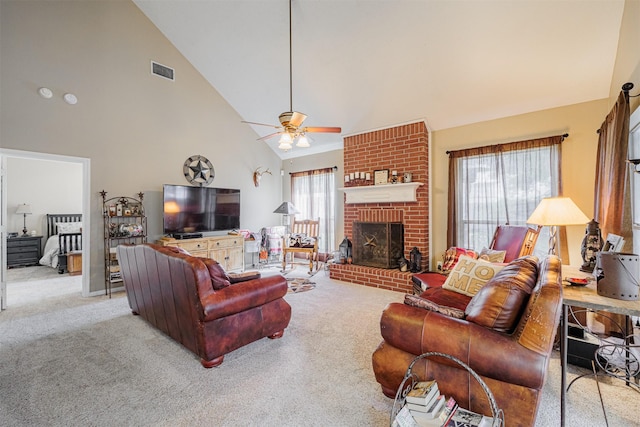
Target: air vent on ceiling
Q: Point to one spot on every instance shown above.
(162, 71)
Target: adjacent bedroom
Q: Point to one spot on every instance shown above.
(44, 224)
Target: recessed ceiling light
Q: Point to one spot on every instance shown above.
(45, 92)
(70, 99)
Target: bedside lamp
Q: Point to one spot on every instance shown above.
(24, 210)
(286, 209)
(554, 211)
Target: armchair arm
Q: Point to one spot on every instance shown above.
(243, 296)
(489, 353)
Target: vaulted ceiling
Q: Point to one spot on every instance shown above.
(370, 64)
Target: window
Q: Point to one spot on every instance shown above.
(313, 194)
(500, 184)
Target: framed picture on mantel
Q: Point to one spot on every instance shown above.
(381, 176)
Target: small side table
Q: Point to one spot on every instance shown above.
(74, 263)
(23, 251)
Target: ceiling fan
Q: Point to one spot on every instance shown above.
(290, 127)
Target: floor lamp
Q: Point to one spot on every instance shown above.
(286, 209)
(24, 210)
(555, 211)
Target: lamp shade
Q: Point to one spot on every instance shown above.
(286, 208)
(24, 209)
(557, 211)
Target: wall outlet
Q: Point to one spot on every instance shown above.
(439, 266)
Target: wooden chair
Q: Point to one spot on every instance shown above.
(306, 228)
(516, 240)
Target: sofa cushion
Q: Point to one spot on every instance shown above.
(499, 303)
(444, 297)
(219, 279)
(452, 255)
(416, 301)
(469, 275)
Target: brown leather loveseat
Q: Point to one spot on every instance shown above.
(505, 333)
(191, 300)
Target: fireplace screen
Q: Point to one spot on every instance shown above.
(378, 244)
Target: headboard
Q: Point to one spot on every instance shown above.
(53, 219)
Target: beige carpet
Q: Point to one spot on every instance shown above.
(67, 360)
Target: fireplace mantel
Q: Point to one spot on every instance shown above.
(386, 193)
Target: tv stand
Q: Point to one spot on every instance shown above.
(182, 236)
(227, 250)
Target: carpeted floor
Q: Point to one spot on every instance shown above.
(68, 360)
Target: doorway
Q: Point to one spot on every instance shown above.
(7, 223)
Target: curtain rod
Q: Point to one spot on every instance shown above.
(565, 135)
(627, 87)
(335, 168)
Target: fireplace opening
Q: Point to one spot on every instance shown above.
(378, 244)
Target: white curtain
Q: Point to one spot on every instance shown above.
(313, 194)
(501, 184)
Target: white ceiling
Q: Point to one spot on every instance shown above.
(370, 64)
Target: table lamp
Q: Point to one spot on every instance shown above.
(286, 209)
(24, 210)
(554, 211)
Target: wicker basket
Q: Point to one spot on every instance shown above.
(410, 379)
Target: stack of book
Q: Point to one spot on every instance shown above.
(426, 407)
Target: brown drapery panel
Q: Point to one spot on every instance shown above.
(612, 201)
(452, 226)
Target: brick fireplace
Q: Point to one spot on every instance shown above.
(402, 149)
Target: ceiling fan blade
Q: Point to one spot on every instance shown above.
(297, 119)
(269, 136)
(260, 124)
(323, 129)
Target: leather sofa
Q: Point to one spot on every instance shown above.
(193, 301)
(511, 358)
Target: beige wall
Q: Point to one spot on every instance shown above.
(627, 68)
(137, 129)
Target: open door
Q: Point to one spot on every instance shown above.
(3, 233)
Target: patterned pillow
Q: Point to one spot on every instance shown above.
(417, 301)
(452, 255)
(69, 227)
(469, 275)
(492, 255)
(219, 279)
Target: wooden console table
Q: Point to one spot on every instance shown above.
(584, 297)
(228, 250)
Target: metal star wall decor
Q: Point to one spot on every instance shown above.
(198, 170)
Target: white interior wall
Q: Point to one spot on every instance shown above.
(48, 186)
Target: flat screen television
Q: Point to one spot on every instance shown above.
(200, 209)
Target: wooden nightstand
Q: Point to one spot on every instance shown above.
(23, 251)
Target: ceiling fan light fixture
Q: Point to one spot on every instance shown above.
(285, 141)
(303, 141)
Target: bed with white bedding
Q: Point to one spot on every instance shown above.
(64, 235)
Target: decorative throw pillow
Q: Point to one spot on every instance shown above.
(499, 304)
(417, 301)
(452, 255)
(492, 255)
(469, 275)
(219, 279)
(69, 227)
